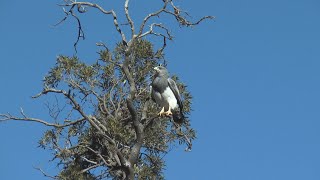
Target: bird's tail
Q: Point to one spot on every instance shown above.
(178, 117)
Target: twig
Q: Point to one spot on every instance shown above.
(91, 167)
(159, 51)
(105, 162)
(7, 117)
(45, 174)
(90, 161)
(188, 141)
(80, 31)
(112, 12)
(157, 13)
(183, 21)
(151, 31)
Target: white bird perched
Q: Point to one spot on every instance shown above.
(165, 93)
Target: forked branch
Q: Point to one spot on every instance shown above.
(7, 117)
(83, 5)
(168, 8)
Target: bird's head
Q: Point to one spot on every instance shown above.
(160, 70)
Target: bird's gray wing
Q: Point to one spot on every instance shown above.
(152, 94)
(175, 90)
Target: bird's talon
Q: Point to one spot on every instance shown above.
(168, 113)
(161, 112)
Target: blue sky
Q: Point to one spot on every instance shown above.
(253, 72)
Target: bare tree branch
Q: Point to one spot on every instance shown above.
(45, 174)
(93, 121)
(175, 13)
(126, 9)
(157, 13)
(182, 20)
(159, 51)
(80, 31)
(7, 117)
(68, 95)
(112, 12)
(98, 154)
(159, 25)
(91, 167)
(137, 125)
(179, 133)
(90, 161)
(139, 133)
(63, 19)
(125, 69)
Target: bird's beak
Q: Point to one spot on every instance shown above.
(156, 69)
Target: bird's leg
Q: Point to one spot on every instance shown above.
(161, 112)
(168, 113)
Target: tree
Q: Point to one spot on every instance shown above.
(108, 122)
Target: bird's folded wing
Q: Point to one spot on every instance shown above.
(152, 94)
(175, 90)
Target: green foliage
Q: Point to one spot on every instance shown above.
(72, 172)
(101, 90)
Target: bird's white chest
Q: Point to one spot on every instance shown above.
(166, 99)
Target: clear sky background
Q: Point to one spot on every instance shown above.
(253, 72)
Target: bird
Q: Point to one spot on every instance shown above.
(165, 93)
